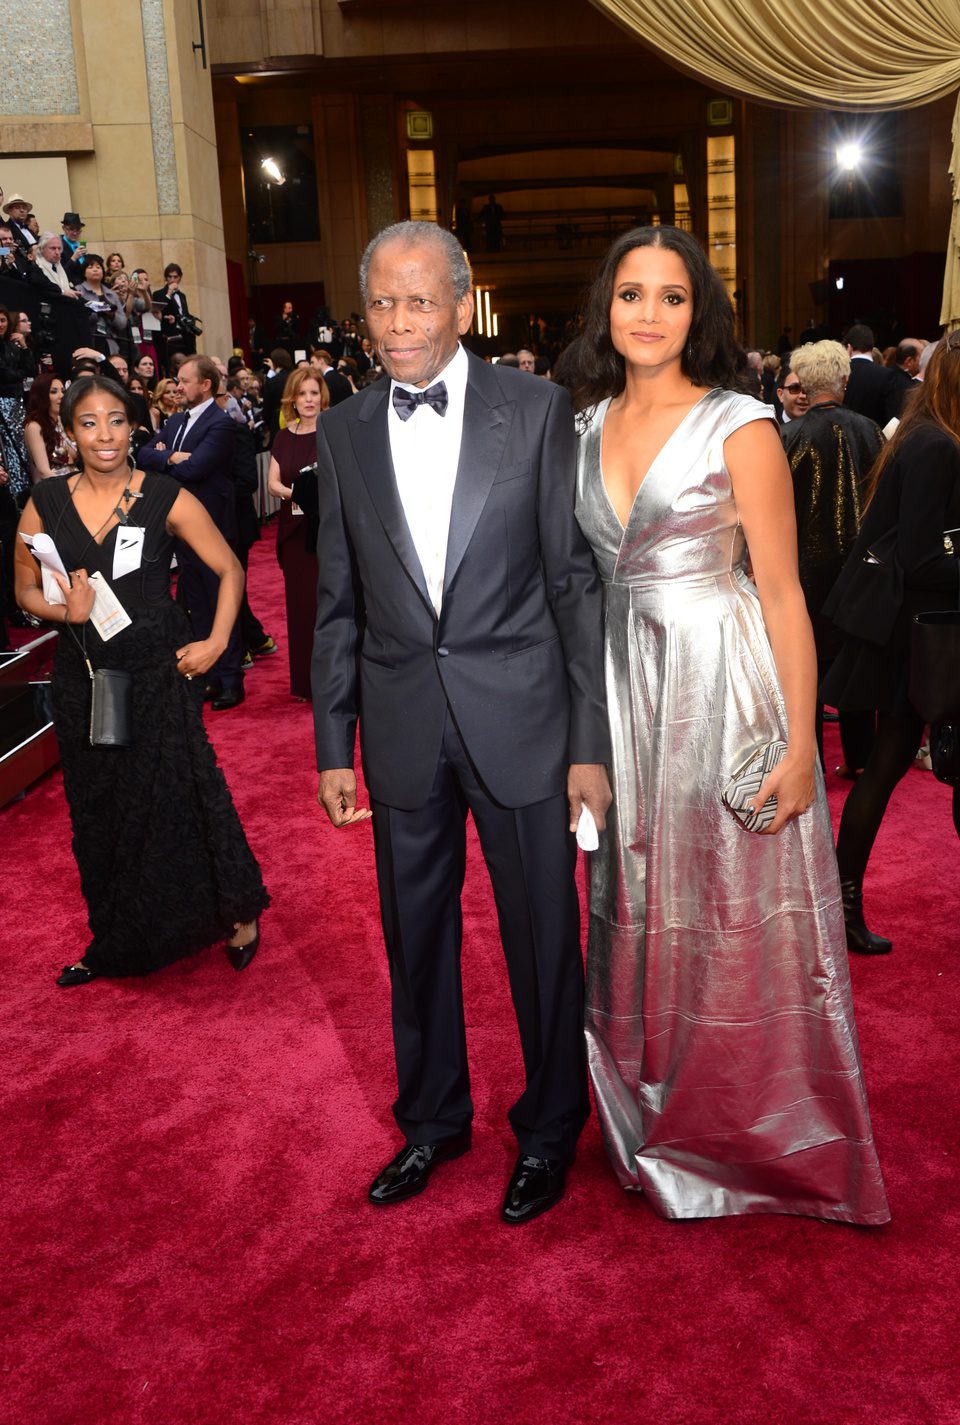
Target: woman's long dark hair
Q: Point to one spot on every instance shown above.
(934, 401)
(38, 409)
(591, 368)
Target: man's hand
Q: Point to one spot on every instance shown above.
(587, 785)
(337, 794)
(177, 457)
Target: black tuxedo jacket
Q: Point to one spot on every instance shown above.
(869, 391)
(517, 652)
(208, 474)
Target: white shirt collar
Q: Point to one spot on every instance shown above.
(860, 356)
(196, 411)
(454, 375)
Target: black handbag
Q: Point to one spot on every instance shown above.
(111, 700)
(935, 665)
(111, 708)
(868, 596)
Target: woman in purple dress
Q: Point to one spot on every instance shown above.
(294, 455)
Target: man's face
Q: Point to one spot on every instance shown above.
(52, 249)
(6, 237)
(120, 366)
(793, 398)
(192, 390)
(912, 364)
(527, 361)
(415, 321)
(172, 279)
(19, 212)
(72, 233)
(26, 325)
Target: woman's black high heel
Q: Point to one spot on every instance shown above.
(75, 975)
(241, 955)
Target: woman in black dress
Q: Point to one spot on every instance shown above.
(903, 563)
(164, 864)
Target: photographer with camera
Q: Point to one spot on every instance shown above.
(179, 327)
(105, 307)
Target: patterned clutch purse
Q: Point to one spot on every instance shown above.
(742, 788)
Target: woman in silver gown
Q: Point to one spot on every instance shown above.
(720, 1027)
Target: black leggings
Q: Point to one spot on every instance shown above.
(895, 745)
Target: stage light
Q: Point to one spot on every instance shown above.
(838, 283)
(849, 156)
(272, 170)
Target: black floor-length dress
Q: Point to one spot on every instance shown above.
(164, 863)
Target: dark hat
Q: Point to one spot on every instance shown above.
(71, 220)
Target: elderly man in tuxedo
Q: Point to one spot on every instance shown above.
(447, 534)
(197, 447)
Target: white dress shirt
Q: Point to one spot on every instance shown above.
(193, 415)
(426, 452)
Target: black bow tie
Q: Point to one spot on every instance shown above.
(406, 402)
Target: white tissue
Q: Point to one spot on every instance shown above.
(587, 838)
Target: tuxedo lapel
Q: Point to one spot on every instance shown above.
(371, 445)
(486, 425)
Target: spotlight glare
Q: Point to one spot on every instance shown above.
(849, 156)
(272, 169)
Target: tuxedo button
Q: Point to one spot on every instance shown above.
(442, 652)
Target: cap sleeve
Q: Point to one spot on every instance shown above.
(741, 410)
(162, 491)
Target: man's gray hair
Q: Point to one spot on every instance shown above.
(44, 238)
(412, 234)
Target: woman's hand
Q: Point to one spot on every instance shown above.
(793, 783)
(195, 659)
(78, 594)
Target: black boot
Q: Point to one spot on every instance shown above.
(860, 940)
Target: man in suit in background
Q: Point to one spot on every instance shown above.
(337, 384)
(197, 447)
(905, 374)
(273, 388)
(174, 311)
(869, 390)
(447, 500)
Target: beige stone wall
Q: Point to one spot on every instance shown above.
(140, 147)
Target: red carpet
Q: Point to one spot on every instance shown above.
(187, 1156)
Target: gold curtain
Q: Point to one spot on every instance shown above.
(855, 54)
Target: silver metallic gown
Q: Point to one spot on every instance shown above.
(720, 1028)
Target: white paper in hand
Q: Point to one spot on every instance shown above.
(587, 838)
(43, 547)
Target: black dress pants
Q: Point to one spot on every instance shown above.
(198, 589)
(531, 856)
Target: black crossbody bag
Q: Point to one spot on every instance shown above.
(111, 701)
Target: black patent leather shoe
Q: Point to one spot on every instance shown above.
(241, 955)
(75, 975)
(211, 691)
(537, 1185)
(409, 1172)
(229, 698)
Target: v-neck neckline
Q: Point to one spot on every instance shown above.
(91, 535)
(643, 483)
